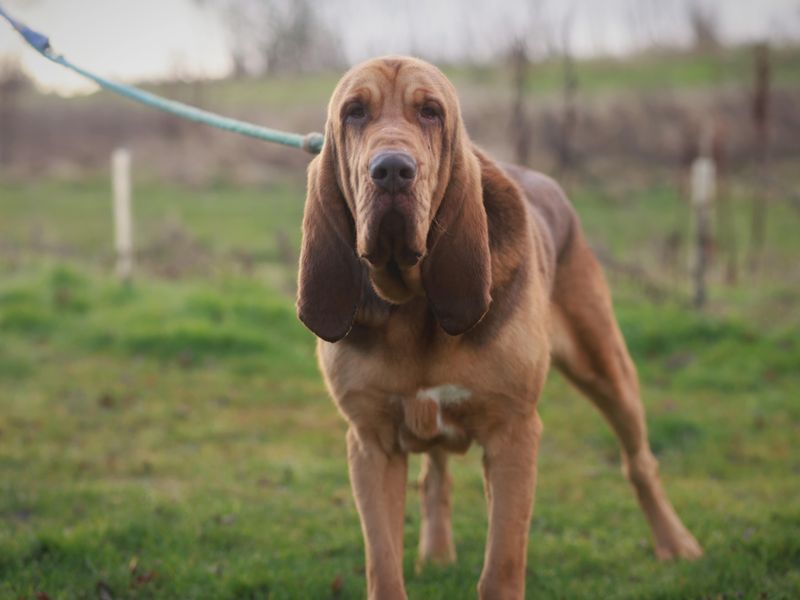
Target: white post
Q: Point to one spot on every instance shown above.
(703, 182)
(123, 224)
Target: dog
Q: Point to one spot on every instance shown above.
(441, 286)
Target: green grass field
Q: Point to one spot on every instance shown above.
(172, 438)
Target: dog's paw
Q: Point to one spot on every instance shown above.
(680, 544)
(441, 555)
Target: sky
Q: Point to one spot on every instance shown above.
(156, 39)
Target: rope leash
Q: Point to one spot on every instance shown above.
(311, 142)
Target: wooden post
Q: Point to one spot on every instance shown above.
(726, 229)
(520, 126)
(569, 119)
(703, 184)
(761, 116)
(123, 224)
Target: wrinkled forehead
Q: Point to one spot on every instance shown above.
(397, 78)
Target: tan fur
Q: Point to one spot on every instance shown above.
(490, 279)
(422, 416)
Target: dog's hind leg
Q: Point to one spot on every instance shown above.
(588, 348)
(436, 533)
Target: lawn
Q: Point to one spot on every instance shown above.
(172, 438)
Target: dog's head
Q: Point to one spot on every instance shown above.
(395, 195)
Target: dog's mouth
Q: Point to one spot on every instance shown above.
(391, 241)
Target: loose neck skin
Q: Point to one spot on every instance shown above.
(511, 245)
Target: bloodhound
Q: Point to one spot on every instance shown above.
(441, 285)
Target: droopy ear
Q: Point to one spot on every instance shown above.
(330, 279)
(456, 273)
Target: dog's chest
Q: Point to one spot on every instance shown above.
(429, 388)
(433, 416)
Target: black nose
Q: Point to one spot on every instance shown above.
(393, 171)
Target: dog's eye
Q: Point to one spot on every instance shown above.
(355, 112)
(429, 112)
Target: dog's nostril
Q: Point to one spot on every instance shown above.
(406, 173)
(379, 173)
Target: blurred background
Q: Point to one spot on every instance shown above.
(163, 429)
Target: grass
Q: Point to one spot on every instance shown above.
(172, 438)
(75, 215)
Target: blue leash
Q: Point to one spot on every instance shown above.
(311, 142)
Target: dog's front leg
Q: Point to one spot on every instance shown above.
(510, 476)
(378, 478)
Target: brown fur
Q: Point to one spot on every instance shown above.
(484, 279)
